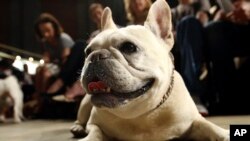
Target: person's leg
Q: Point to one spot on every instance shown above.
(223, 73)
(71, 69)
(37, 79)
(190, 40)
(41, 79)
(225, 41)
(74, 91)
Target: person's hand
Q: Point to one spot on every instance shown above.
(238, 16)
(46, 57)
(219, 15)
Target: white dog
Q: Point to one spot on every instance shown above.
(135, 92)
(10, 86)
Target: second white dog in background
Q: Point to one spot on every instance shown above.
(11, 87)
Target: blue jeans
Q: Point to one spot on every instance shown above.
(190, 41)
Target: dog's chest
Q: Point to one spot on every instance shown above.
(144, 128)
(131, 131)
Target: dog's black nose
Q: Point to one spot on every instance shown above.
(100, 55)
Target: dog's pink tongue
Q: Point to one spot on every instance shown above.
(97, 86)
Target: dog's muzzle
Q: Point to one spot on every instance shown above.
(106, 80)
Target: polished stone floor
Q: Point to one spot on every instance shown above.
(37, 130)
(58, 130)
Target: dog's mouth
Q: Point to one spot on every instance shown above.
(103, 95)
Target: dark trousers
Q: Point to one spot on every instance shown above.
(72, 67)
(190, 43)
(226, 40)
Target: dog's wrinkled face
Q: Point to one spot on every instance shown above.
(129, 68)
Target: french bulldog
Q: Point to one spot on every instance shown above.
(133, 90)
(11, 87)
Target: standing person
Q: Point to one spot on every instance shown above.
(137, 10)
(56, 46)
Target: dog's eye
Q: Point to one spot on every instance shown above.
(128, 47)
(88, 51)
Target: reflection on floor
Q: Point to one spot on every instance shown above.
(58, 130)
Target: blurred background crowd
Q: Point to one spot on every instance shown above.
(42, 44)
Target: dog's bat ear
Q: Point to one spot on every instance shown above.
(107, 20)
(159, 21)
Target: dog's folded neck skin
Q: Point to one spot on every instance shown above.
(171, 85)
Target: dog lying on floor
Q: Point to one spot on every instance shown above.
(9, 86)
(135, 92)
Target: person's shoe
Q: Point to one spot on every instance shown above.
(202, 110)
(59, 92)
(62, 98)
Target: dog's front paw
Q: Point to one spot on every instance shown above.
(78, 131)
(225, 137)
